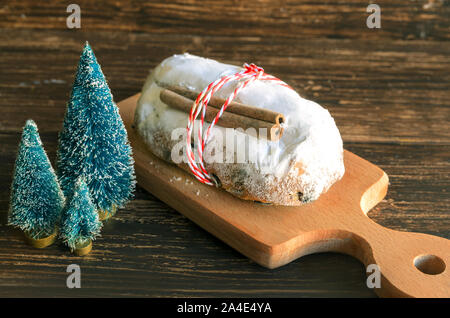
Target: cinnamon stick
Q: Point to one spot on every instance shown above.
(235, 107)
(273, 131)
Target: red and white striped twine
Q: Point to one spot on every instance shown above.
(249, 74)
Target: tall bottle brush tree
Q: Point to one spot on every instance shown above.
(79, 223)
(36, 197)
(93, 142)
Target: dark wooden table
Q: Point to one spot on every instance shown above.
(388, 90)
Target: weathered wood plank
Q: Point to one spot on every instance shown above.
(422, 19)
(377, 91)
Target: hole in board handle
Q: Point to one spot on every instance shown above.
(429, 264)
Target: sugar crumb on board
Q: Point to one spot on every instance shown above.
(174, 178)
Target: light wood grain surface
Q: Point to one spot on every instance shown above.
(387, 89)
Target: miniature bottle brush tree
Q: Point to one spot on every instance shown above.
(36, 198)
(80, 221)
(93, 142)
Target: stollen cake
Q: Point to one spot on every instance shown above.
(294, 170)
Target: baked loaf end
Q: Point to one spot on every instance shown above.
(295, 170)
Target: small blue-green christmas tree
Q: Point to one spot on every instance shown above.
(93, 142)
(36, 198)
(79, 222)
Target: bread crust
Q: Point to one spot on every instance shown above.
(234, 178)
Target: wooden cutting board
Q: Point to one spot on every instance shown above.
(411, 264)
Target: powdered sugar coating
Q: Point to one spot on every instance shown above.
(303, 164)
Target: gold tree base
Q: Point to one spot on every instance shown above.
(105, 215)
(41, 242)
(83, 249)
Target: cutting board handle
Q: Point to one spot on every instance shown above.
(411, 264)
